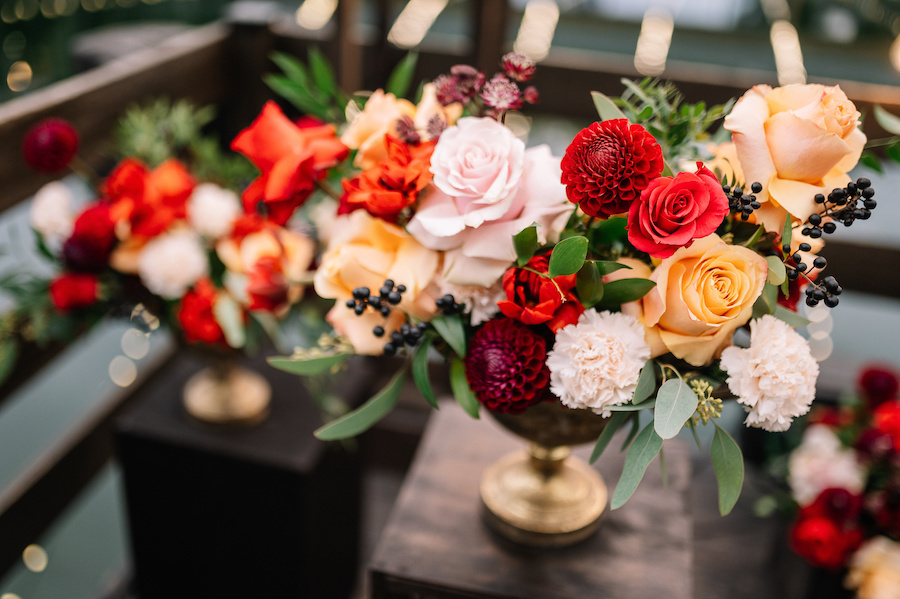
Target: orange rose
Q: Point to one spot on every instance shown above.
(703, 294)
(797, 141)
(364, 251)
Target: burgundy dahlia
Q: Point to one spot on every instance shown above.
(50, 145)
(607, 166)
(505, 366)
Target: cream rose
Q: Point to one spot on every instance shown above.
(797, 141)
(364, 251)
(874, 570)
(703, 294)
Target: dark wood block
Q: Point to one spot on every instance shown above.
(264, 511)
(436, 546)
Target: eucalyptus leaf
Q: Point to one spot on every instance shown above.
(616, 293)
(526, 244)
(606, 108)
(790, 317)
(452, 330)
(646, 384)
(365, 416)
(675, 403)
(645, 447)
(888, 121)
(635, 428)
(568, 257)
(630, 407)
(461, 390)
(303, 366)
(401, 77)
(589, 285)
(777, 271)
(728, 464)
(612, 426)
(420, 371)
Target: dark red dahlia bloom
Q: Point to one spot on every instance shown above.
(823, 542)
(607, 166)
(505, 366)
(878, 385)
(50, 145)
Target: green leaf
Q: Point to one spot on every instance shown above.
(609, 231)
(9, 353)
(694, 433)
(616, 293)
(362, 418)
(460, 387)
(777, 271)
(728, 464)
(303, 366)
(606, 108)
(608, 266)
(871, 161)
(450, 327)
(589, 285)
(526, 242)
(645, 114)
(229, 315)
(630, 407)
(790, 317)
(662, 469)
(675, 403)
(292, 68)
(322, 72)
(635, 427)
(787, 230)
(640, 454)
(420, 371)
(612, 426)
(568, 256)
(295, 96)
(401, 77)
(888, 121)
(646, 384)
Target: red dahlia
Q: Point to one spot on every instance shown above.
(607, 166)
(505, 366)
(50, 145)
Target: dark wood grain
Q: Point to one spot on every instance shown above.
(436, 545)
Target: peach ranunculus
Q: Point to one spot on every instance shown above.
(486, 188)
(363, 252)
(797, 141)
(379, 117)
(290, 159)
(267, 265)
(703, 294)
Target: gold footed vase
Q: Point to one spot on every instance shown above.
(227, 394)
(545, 497)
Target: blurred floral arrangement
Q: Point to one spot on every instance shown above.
(653, 268)
(165, 239)
(844, 480)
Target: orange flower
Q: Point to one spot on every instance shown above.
(290, 159)
(387, 188)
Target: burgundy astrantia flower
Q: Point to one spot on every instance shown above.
(460, 85)
(517, 66)
(607, 166)
(505, 366)
(502, 94)
(50, 145)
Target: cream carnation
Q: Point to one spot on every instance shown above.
(211, 210)
(775, 378)
(821, 462)
(171, 263)
(875, 570)
(596, 362)
(51, 212)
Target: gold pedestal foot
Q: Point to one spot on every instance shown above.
(232, 396)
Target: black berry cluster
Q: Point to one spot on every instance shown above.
(827, 290)
(843, 205)
(740, 202)
(389, 295)
(447, 305)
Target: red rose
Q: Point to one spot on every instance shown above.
(71, 291)
(390, 186)
(266, 285)
(150, 200)
(823, 543)
(290, 158)
(127, 180)
(92, 239)
(195, 314)
(533, 299)
(886, 418)
(673, 211)
(878, 384)
(50, 145)
(608, 165)
(836, 504)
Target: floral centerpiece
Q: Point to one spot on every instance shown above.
(647, 271)
(844, 479)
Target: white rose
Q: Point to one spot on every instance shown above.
(211, 210)
(171, 263)
(51, 212)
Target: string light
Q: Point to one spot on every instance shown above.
(414, 21)
(537, 29)
(315, 14)
(654, 42)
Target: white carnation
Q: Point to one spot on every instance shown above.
(51, 212)
(775, 378)
(171, 263)
(480, 302)
(875, 570)
(596, 362)
(820, 462)
(211, 210)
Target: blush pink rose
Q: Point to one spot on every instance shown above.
(674, 211)
(486, 188)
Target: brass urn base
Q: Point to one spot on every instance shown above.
(543, 497)
(232, 396)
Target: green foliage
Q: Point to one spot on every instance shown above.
(526, 244)
(568, 256)
(420, 371)
(450, 327)
(311, 88)
(461, 390)
(612, 427)
(645, 447)
(364, 417)
(646, 384)
(675, 403)
(400, 79)
(310, 364)
(616, 293)
(728, 464)
(589, 284)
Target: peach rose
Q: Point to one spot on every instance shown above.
(363, 252)
(379, 117)
(797, 141)
(703, 294)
